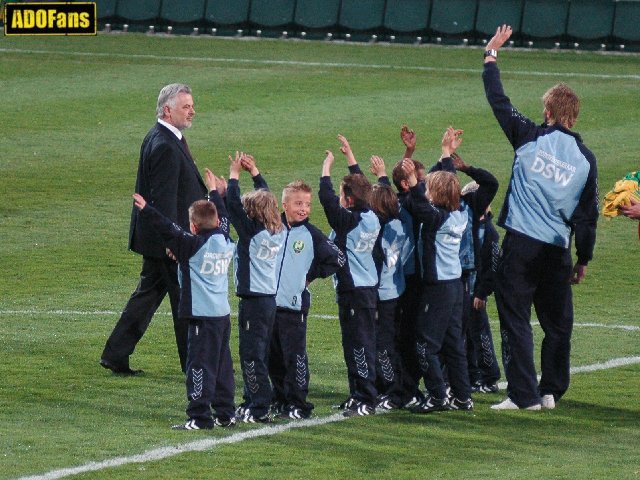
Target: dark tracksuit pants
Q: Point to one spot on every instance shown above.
(406, 338)
(255, 321)
(157, 278)
(439, 333)
(210, 382)
(532, 272)
(388, 372)
(288, 362)
(481, 355)
(357, 324)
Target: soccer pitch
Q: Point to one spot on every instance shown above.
(75, 112)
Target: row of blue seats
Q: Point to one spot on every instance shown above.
(531, 19)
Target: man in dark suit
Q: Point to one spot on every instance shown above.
(169, 179)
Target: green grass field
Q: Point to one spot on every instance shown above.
(74, 113)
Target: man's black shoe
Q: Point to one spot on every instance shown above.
(119, 370)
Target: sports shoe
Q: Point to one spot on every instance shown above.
(348, 403)
(480, 387)
(240, 410)
(509, 405)
(359, 409)
(415, 400)
(296, 414)
(385, 403)
(455, 404)
(191, 425)
(431, 404)
(248, 417)
(278, 409)
(224, 422)
(548, 402)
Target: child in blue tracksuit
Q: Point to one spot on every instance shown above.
(397, 243)
(204, 256)
(439, 323)
(256, 220)
(355, 232)
(307, 254)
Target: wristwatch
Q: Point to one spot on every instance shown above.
(491, 53)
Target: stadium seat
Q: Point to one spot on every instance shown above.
(590, 19)
(493, 13)
(317, 13)
(184, 11)
(453, 16)
(225, 12)
(361, 14)
(106, 8)
(138, 10)
(545, 19)
(407, 15)
(272, 13)
(627, 19)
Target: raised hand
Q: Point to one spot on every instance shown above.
(377, 166)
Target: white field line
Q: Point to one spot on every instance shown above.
(207, 444)
(631, 328)
(295, 63)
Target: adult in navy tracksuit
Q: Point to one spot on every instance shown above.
(355, 232)
(256, 219)
(439, 322)
(475, 200)
(552, 196)
(204, 256)
(307, 254)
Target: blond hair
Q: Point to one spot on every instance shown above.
(262, 206)
(563, 105)
(444, 189)
(203, 214)
(293, 187)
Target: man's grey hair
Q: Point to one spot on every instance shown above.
(168, 96)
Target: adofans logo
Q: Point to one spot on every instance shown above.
(50, 18)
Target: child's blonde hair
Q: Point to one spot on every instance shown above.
(262, 206)
(384, 202)
(444, 189)
(203, 214)
(293, 187)
(563, 104)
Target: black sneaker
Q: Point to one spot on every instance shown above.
(348, 403)
(248, 417)
(295, 413)
(278, 409)
(224, 422)
(431, 404)
(455, 404)
(240, 411)
(191, 425)
(359, 409)
(385, 403)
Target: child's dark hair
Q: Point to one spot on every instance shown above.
(398, 174)
(262, 206)
(444, 189)
(358, 188)
(203, 214)
(384, 202)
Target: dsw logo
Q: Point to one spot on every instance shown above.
(551, 171)
(215, 267)
(268, 250)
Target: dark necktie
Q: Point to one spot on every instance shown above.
(186, 147)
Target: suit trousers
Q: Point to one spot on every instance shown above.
(158, 278)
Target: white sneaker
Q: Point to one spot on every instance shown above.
(509, 405)
(548, 402)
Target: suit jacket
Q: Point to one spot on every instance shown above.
(169, 180)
